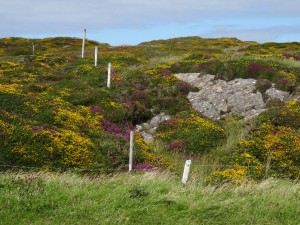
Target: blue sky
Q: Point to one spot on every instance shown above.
(119, 22)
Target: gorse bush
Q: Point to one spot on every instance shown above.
(270, 150)
(65, 143)
(235, 175)
(148, 155)
(190, 134)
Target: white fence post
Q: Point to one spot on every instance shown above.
(83, 43)
(32, 48)
(108, 75)
(186, 171)
(131, 150)
(96, 55)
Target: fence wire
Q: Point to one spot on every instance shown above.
(58, 168)
(123, 168)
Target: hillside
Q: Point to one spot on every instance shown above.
(56, 112)
(64, 135)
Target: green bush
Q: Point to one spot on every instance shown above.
(271, 151)
(262, 85)
(190, 134)
(282, 114)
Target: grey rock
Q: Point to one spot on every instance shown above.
(273, 93)
(217, 98)
(148, 129)
(193, 78)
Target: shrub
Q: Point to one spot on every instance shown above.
(184, 87)
(176, 145)
(231, 69)
(270, 152)
(117, 131)
(147, 155)
(46, 146)
(199, 135)
(286, 84)
(283, 114)
(256, 68)
(275, 149)
(291, 56)
(235, 175)
(262, 85)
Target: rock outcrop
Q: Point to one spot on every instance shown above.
(218, 98)
(148, 129)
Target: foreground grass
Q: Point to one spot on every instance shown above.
(148, 198)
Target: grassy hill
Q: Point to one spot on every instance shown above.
(57, 115)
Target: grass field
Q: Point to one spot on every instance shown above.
(143, 198)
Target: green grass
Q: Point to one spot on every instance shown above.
(287, 62)
(145, 198)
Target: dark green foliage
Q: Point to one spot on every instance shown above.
(282, 114)
(138, 192)
(13, 103)
(262, 85)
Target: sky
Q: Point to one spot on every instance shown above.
(129, 22)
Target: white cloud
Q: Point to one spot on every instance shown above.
(19, 17)
(264, 34)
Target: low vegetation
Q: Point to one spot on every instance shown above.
(56, 111)
(57, 114)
